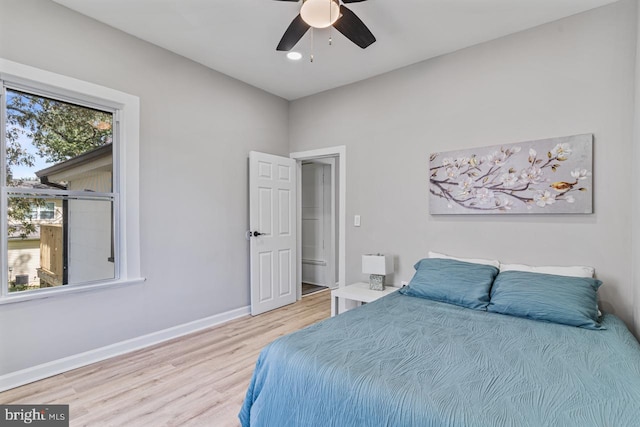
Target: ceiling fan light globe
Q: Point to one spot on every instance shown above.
(320, 13)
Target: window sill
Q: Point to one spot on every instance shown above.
(66, 290)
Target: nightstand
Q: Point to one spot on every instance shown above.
(358, 292)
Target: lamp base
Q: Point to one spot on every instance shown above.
(376, 282)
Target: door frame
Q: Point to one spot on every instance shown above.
(339, 152)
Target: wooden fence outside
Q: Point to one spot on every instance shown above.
(51, 254)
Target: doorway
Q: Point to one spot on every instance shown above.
(320, 218)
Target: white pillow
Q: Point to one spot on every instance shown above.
(492, 262)
(573, 271)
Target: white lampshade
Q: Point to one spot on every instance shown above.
(320, 13)
(377, 264)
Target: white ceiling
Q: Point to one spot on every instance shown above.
(239, 37)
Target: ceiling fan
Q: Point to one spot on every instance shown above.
(322, 14)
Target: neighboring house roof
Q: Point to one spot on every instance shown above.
(90, 161)
(28, 183)
(32, 236)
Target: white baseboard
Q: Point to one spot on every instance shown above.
(55, 367)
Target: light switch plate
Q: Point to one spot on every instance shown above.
(356, 220)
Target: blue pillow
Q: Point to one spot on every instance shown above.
(451, 281)
(558, 299)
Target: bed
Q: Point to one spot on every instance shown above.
(407, 361)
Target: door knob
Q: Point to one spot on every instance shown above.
(249, 234)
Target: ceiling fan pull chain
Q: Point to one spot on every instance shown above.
(311, 56)
(330, 26)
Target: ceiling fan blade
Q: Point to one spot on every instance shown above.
(299, 0)
(294, 33)
(353, 28)
(343, 1)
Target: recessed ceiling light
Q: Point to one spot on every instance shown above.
(294, 56)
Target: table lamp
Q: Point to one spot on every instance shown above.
(377, 266)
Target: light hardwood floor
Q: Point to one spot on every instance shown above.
(196, 380)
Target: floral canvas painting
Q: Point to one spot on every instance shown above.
(545, 176)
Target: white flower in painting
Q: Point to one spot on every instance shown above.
(512, 150)
(532, 152)
(447, 161)
(561, 151)
(544, 198)
(509, 179)
(461, 161)
(570, 199)
(453, 172)
(580, 174)
(465, 186)
(485, 196)
(505, 203)
(496, 158)
(531, 175)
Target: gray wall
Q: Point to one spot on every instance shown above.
(197, 127)
(636, 184)
(569, 77)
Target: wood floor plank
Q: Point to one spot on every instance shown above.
(196, 380)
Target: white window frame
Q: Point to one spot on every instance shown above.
(125, 172)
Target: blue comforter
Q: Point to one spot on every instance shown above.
(406, 361)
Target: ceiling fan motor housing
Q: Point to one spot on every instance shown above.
(320, 13)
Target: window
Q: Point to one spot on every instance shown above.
(43, 211)
(68, 213)
(58, 152)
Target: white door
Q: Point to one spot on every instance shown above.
(272, 209)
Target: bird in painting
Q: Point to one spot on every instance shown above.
(562, 186)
